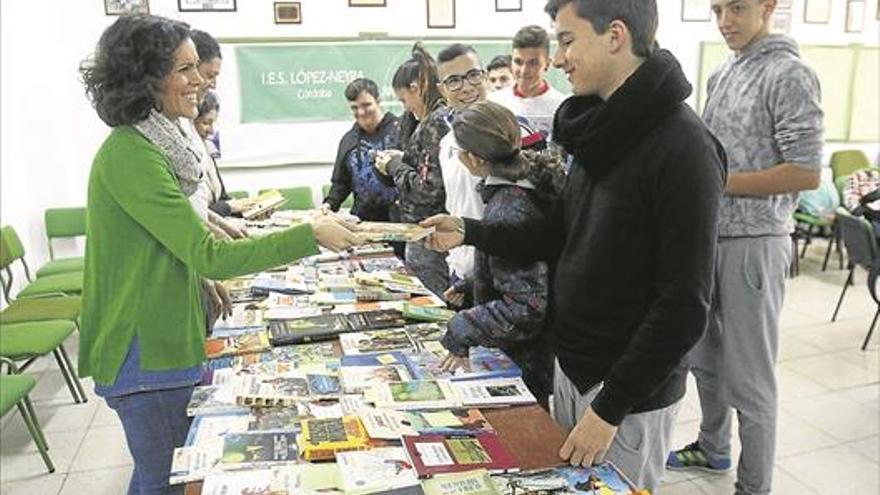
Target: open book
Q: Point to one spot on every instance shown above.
(264, 203)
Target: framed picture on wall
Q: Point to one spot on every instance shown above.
(855, 16)
(783, 4)
(508, 5)
(288, 13)
(696, 10)
(817, 12)
(366, 3)
(119, 7)
(206, 5)
(781, 21)
(441, 14)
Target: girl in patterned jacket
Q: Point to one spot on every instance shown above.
(510, 296)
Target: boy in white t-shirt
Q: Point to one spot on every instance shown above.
(531, 96)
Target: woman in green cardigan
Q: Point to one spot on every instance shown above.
(142, 336)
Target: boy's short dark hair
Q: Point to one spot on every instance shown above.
(640, 17)
(454, 51)
(358, 86)
(499, 62)
(532, 37)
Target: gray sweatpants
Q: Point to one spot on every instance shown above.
(642, 441)
(734, 362)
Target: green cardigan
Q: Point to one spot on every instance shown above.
(146, 252)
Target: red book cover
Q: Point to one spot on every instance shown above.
(439, 453)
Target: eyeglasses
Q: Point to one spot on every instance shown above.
(474, 77)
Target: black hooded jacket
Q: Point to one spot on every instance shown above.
(632, 241)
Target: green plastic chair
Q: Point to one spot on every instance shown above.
(11, 249)
(845, 162)
(42, 309)
(14, 389)
(349, 201)
(238, 194)
(298, 198)
(29, 341)
(64, 223)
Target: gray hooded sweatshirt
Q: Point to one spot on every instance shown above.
(763, 105)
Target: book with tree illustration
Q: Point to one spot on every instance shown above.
(253, 450)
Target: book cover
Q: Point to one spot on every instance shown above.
(453, 420)
(392, 232)
(355, 379)
(270, 390)
(536, 447)
(493, 392)
(324, 386)
(233, 346)
(434, 453)
(421, 394)
(279, 481)
(380, 341)
(208, 430)
(334, 297)
(190, 464)
(251, 450)
(212, 399)
(376, 320)
(386, 424)
(264, 204)
(277, 418)
(372, 359)
(321, 439)
(304, 330)
(378, 294)
(484, 363)
(426, 313)
(244, 316)
(477, 482)
(375, 470)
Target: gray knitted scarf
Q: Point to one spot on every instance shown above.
(185, 161)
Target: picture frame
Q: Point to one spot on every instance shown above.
(508, 5)
(855, 16)
(817, 12)
(781, 22)
(367, 3)
(206, 5)
(696, 10)
(120, 7)
(288, 12)
(441, 14)
(784, 4)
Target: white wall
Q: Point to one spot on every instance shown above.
(48, 132)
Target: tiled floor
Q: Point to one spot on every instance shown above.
(828, 424)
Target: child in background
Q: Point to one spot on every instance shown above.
(510, 296)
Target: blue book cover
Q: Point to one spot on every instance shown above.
(376, 359)
(485, 363)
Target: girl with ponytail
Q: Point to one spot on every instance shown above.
(510, 296)
(416, 170)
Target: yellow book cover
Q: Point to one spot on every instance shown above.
(322, 438)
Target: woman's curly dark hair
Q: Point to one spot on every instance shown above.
(123, 78)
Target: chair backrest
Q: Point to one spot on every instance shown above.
(11, 248)
(298, 198)
(64, 222)
(845, 162)
(858, 237)
(238, 194)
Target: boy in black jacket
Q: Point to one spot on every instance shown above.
(633, 241)
(353, 172)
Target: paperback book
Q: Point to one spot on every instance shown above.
(427, 313)
(213, 399)
(484, 363)
(321, 439)
(324, 386)
(277, 418)
(247, 316)
(253, 482)
(326, 327)
(493, 392)
(248, 343)
(477, 482)
(356, 379)
(253, 450)
(604, 479)
(421, 394)
(375, 470)
(264, 204)
(435, 453)
(270, 390)
(392, 232)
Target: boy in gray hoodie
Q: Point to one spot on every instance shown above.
(763, 105)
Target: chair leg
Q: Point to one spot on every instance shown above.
(73, 376)
(830, 245)
(807, 240)
(33, 414)
(37, 434)
(843, 292)
(871, 329)
(66, 374)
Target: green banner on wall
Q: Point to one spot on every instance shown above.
(304, 82)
